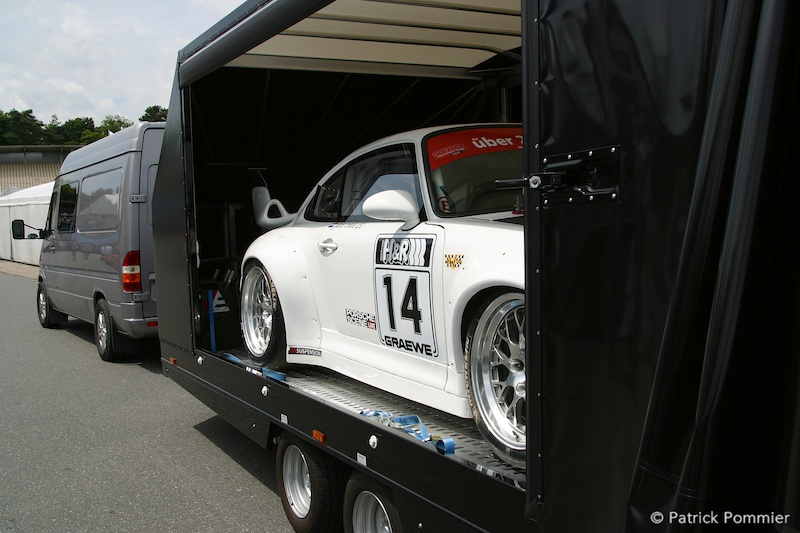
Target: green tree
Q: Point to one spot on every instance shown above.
(90, 136)
(20, 128)
(154, 113)
(113, 123)
(75, 129)
(54, 132)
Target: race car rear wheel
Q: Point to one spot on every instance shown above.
(262, 321)
(494, 359)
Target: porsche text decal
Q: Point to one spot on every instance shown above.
(359, 318)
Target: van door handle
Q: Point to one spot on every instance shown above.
(327, 246)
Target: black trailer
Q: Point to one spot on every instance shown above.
(661, 251)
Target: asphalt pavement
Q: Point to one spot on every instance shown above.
(90, 446)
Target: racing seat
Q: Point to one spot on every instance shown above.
(269, 212)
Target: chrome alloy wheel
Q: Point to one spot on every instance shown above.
(497, 370)
(258, 309)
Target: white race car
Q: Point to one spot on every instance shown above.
(404, 269)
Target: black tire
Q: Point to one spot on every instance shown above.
(310, 487)
(262, 325)
(369, 507)
(48, 316)
(104, 332)
(494, 368)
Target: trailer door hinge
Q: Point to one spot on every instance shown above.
(589, 176)
(138, 198)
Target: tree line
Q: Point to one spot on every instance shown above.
(23, 128)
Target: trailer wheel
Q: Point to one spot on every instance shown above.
(368, 507)
(104, 332)
(262, 320)
(494, 367)
(48, 317)
(309, 484)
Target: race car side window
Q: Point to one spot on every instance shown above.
(327, 204)
(340, 198)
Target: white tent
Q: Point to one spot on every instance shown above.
(31, 206)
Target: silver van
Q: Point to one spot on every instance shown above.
(97, 260)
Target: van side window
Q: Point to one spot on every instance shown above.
(52, 214)
(68, 197)
(98, 206)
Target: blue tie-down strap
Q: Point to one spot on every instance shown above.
(264, 371)
(381, 415)
(412, 425)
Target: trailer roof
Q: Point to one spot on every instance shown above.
(437, 38)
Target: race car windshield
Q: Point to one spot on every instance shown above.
(464, 164)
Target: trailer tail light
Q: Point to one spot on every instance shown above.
(131, 273)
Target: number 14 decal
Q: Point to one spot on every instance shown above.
(405, 314)
(409, 309)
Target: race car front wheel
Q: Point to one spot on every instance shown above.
(494, 359)
(262, 321)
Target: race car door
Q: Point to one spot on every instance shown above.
(378, 303)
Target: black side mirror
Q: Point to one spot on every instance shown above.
(18, 229)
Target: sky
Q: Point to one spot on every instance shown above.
(94, 58)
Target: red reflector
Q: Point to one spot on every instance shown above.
(131, 272)
(152, 324)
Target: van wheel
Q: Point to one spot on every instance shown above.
(494, 367)
(48, 317)
(104, 332)
(369, 507)
(262, 319)
(309, 485)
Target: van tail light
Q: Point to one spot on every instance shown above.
(131, 273)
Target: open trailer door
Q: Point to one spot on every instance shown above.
(279, 91)
(662, 265)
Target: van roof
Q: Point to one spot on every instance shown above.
(126, 140)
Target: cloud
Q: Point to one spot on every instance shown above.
(93, 58)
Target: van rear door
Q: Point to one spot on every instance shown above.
(151, 151)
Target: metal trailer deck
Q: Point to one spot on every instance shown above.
(428, 486)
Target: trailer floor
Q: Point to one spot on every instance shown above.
(353, 396)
